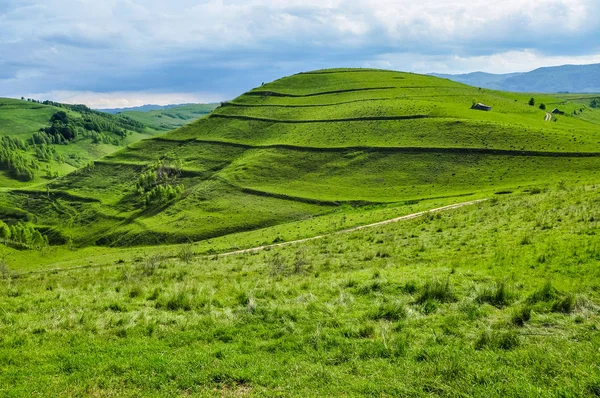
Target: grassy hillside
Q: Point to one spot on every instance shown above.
(498, 299)
(171, 118)
(313, 144)
(87, 135)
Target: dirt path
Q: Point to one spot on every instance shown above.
(345, 231)
(548, 117)
(293, 242)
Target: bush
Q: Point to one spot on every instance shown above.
(176, 302)
(186, 254)
(498, 296)
(564, 305)
(544, 294)
(504, 340)
(521, 316)
(4, 270)
(532, 101)
(437, 290)
(392, 311)
(543, 107)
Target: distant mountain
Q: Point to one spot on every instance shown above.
(566, 78)
(143, 108)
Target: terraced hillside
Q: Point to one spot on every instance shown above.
(312, 144)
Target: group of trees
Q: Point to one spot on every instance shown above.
(595, 103)
(158, 184)
(23, 235)
(102, 128)
(46, 153)
(15, 160)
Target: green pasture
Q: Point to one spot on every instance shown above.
(498, 299)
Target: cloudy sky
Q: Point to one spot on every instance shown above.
(115, 53)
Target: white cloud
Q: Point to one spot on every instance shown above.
(125, 99)
(506, 62)
(227, 45)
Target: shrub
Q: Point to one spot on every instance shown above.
(151, 264)
(391, 311)
(437, 290)
(543, 107)
(186, 254)
(410, 287)
(498, 296)
(532, 101)
(176, 302)
(504, 340)
(521, 315)
(564, 305)
(544, 294)
(4, 270)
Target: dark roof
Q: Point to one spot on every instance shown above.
(482, 107)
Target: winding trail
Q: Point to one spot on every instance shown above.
(283, 244)
(548, 117)
(354, 229)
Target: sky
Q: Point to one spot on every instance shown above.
(120, 53)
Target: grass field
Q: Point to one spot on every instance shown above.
(496, 299)
(172, 118)
(21, 119)
(139, 296)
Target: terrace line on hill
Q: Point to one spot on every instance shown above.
(457, 150)
(351, 119)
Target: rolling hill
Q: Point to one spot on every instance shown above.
(49, 146)
(170, 117)
(566, 78)
(312, 144)
(482, 281)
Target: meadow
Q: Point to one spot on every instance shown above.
(500, 298)
(144, 287)
(314, 144)
(96, 135)
(169, 119)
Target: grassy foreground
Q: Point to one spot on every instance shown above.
(496, 300)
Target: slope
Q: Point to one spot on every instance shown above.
(170, 118)
(44, 140)
(313, 144)
(451, 304)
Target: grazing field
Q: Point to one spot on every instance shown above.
(37, 146)
(497, 299)
(313, 144)
(171, 118)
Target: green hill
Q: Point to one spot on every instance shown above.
(170, 118)
(38, 145)
(312, 144)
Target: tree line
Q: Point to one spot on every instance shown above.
(15, 160)
(22, 234)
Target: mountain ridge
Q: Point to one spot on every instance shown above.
(570, 78)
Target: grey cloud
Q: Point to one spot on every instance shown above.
(229, 46)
